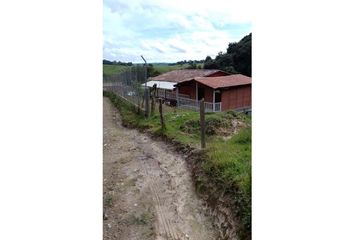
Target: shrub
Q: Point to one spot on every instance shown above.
(214, 124)
(244, 136)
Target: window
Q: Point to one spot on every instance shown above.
(217, 96)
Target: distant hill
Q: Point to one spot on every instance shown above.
(160, 63)
(107, 62)
(237, 59)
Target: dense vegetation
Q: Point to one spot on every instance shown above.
(107, 62)
(227, 163)
(237, 59)
(187, 62)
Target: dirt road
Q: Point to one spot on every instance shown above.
(148, 191)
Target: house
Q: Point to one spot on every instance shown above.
(230, 92)
(165, 82)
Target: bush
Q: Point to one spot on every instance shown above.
(214, 124)
(244, 136)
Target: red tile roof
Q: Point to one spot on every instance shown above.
(225, 81)
(184, 74)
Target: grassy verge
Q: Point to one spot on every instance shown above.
(229, 165)
(226, 163)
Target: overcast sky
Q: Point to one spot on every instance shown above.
(172, 30)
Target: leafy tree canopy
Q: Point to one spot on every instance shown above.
(237, 59)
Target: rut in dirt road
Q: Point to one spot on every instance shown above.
(148, 191)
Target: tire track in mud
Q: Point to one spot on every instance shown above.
(169, 231)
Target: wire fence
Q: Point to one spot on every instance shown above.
(128, 85)
(192, 104)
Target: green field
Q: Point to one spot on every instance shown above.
(166, 68)
(109, 70)
(162, 68)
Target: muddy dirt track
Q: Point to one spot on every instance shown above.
(148, 191)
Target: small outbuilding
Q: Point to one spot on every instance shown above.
(231, 92)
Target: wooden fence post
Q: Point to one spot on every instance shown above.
(161, 115)
(152, 105)
(202, 123)
(146, 99)
(153, 99)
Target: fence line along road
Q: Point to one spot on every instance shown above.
(128, 85)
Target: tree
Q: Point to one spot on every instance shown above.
(191, 65)
(230, 69)
(237, 59)
(223, 60)
(107, 62)
(209, 63)
(208, 59)
(241, 54)
(151, 71)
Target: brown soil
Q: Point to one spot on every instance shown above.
(148, 190)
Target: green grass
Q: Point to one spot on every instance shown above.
(166, 68)
(174, 121)
(229, 163)
(228, 160)
(162, 68)
(109, 70)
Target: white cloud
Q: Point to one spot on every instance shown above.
(171, 30)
